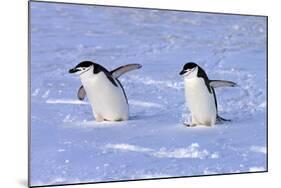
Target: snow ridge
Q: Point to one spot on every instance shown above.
(192, 151)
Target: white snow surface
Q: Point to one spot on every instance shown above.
(68, 146)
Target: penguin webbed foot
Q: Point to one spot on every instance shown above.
(99, 118)
(189, 124)
(221, 120)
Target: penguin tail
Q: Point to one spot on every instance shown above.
(221, 119)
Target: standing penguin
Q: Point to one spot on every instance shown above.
(200, 95)
(104, 90)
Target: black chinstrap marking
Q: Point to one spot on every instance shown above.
(189, 65)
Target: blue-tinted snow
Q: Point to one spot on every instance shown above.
(67, 146)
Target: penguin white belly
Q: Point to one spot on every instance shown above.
(200, 102)
(108, 101)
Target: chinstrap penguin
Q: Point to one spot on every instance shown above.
(103, 89)
(200, 95)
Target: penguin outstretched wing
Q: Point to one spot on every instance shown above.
(221, 83)
(116, 73)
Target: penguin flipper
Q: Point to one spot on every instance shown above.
(221, 119)
(116, 73)
(222, 83)
(81, 93)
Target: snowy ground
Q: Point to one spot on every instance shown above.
(68, 146)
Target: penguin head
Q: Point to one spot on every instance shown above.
(82, 67)
(189, 70)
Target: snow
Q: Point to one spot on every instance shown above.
(68, 146)
(59, 101)
(258, 149)
(255, 169)
(191, 151)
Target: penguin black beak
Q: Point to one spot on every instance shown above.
(72, 71)
(182, 72)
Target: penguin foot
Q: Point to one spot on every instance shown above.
(220, 120)
(188, 124)
(99, 118)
